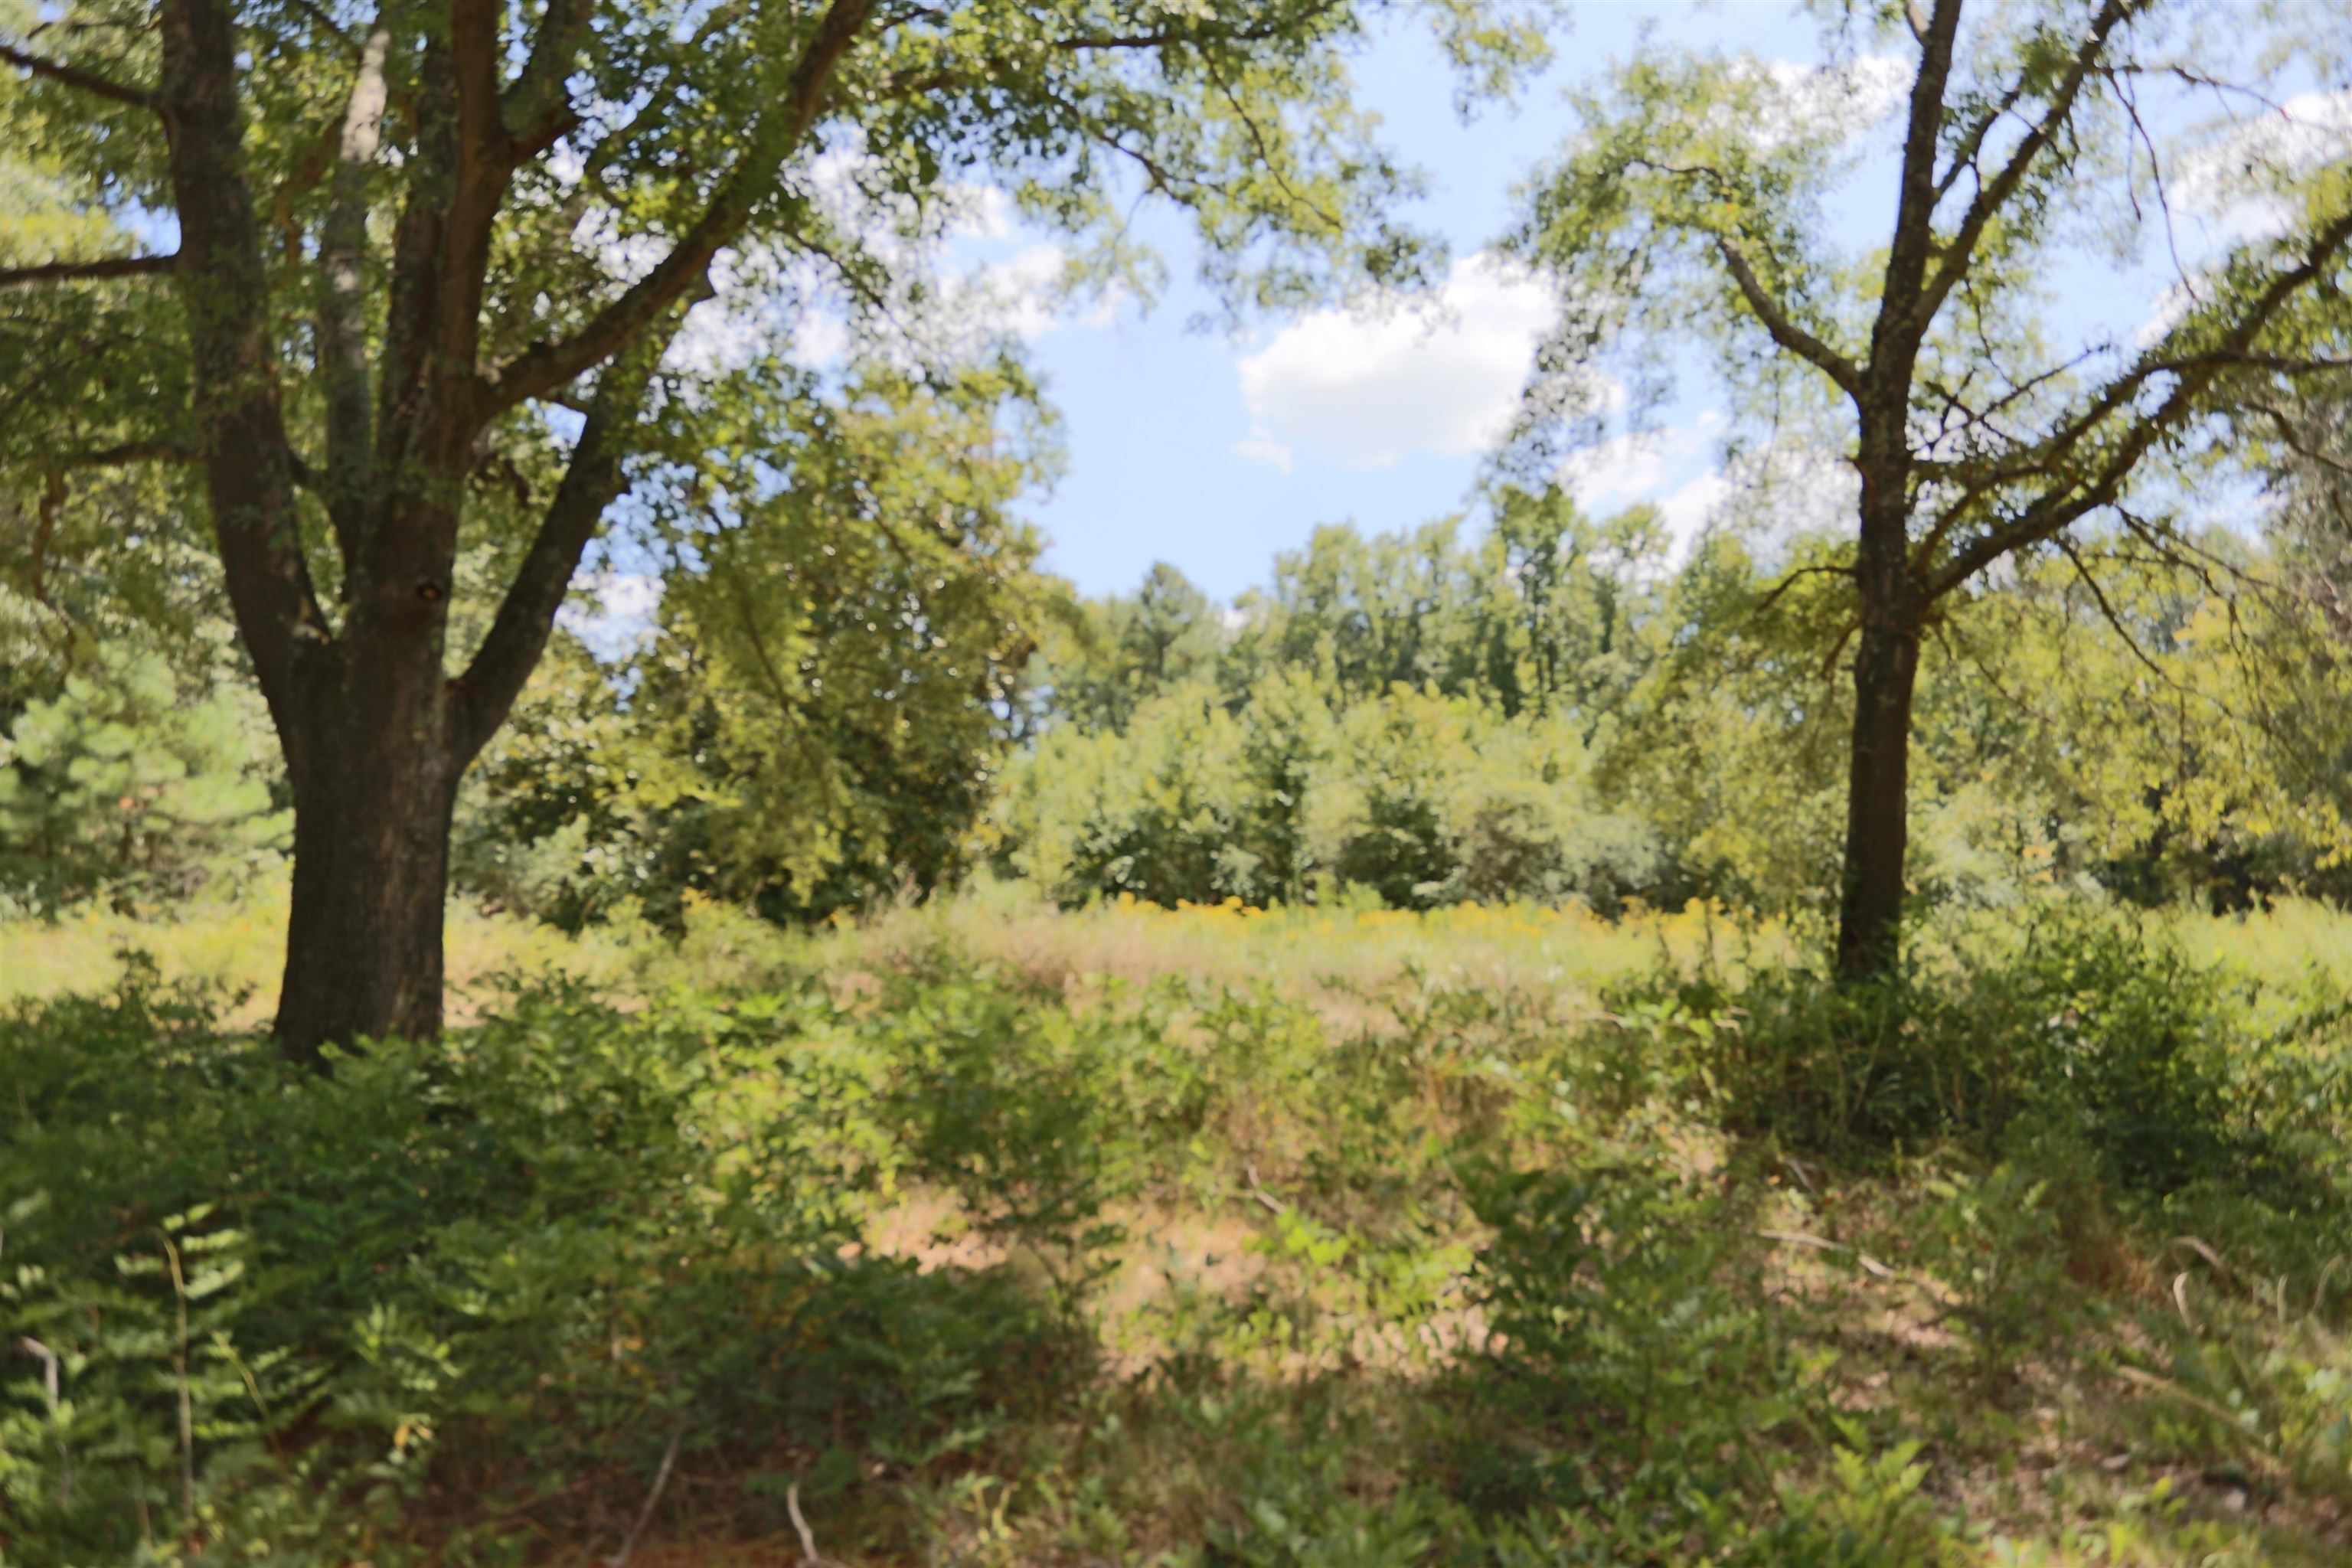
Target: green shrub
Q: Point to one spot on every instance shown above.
(2086, 1021)
(532, 1258)
(120, 788)
(1627, 1295)
(1419, 798)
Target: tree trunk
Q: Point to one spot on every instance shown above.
(1877, 818)
(375, 779)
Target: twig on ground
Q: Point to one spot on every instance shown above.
(809, 1555)
(1271, 1203)
(2229, 1276)
(49, 1367)
(1798, 1238)
(653, 1500)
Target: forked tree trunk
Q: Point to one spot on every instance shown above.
(1877, 821)
(376, 735)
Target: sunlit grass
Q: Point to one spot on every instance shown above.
(1326, 954)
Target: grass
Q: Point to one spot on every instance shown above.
(985, 1233)
(234, 946)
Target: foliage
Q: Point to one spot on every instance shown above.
(1416, 798)
(1691, 208)
(473, 322)
(1687, 742)
(1636, 1316)
(813, 719)
(538, 1255)
(973, 1254)
(119, 787)
(2087, 1035)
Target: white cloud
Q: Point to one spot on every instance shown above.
(1690, 509)
(1832, 101)
(2239, 178)
(2170, 306)
(961, 274)
(1261, 447)
(1771, 494)
(1640, 464)
(1672, 470)
(1368, 387)
(1021, 295)
(1778, 491)
(2238, 186)
(981, 212)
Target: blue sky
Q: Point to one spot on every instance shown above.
(1170, 460)
(1215, 453)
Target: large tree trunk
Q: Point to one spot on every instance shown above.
(375, 776)
(363, 939)
(1877, 818)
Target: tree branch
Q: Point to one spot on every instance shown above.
(132, 452)
(485, 164)
(538, 108)
(1959, 253)
(517, 636)
(547, 365)
(1895, 339)
(1774, 595)
(2099, 596)
(75, 77)
(78, 271)
(1090, 43)
(1785, 331)
(2077, 497)
(248, 466)
(787, 708)
(342, 334)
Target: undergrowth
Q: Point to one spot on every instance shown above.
(2031, 1254)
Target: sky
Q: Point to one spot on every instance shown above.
(1213, 453)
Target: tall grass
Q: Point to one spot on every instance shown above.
(236, 946)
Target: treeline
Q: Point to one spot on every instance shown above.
(1551, 708)
(1544, 706)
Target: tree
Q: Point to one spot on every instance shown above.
(1118, 653)
(1978, 426)
(126, 786)
(434, 259)
(1583, 592)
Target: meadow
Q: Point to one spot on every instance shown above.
(986, 1233)
(618, 946)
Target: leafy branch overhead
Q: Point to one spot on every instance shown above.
(694, 135)
(1991, 431)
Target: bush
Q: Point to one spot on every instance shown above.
(2088, 1021)
(1627, 1298)
(529, 1258)
(1422, 799)
(118, 788)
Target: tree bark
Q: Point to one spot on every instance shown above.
(1877, 821)
(363, 936)
(374, 773)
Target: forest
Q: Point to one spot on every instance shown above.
(617, 945)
